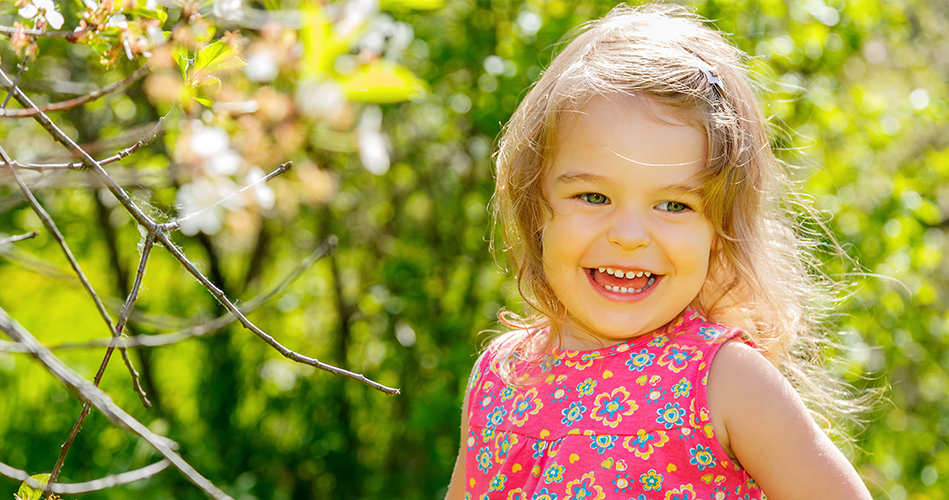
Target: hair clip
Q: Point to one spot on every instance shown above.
(706, 69)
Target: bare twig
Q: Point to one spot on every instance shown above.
(175, 224)
(105, 161)
(287, 353)
(88, 486)
(204, 328)
(16, 81)
(71, 103)
(87, 160)
(96, 397)
(71, 36)
(19, 237)
(58, 236)
(165, 240)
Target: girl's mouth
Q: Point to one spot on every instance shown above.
(619, 281)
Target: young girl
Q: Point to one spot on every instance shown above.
(675, 310)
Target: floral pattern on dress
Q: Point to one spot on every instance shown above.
(626, 422)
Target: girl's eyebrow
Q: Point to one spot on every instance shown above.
(577, 177)
(574, 177)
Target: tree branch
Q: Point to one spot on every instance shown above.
(112, 159)
(88, 486)
(287, 353)
(78, 101)
(70, 36)
(205, 327)
(19, 237)
(175, 224)
(58, 236)
(96, 397)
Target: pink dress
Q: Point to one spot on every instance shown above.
(625, 422)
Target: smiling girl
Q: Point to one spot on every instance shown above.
(673, 308)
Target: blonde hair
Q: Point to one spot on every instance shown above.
(763, 277)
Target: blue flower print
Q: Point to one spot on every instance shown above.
(507, 393)
(709, 332)
(496, 417)
(485, 400)
(549, 363)
(655, 395)
(574, 413)
(682, 389)
(554, 473)
(539, 446)
(543, 494)
(560, 393)
(622, 483)
(671, 415)
(638, 361)
(484, 460)
(487, 434)
(687, 434)
(602, 443)
(702, 457)
(497, 483)
(586, 387)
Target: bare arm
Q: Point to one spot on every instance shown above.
(760, 418)
(456, 490)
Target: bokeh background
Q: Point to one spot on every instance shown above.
(403, 177)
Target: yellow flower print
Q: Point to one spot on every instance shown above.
(497, 483)
(644, 443)
(682, 493)
(651, 480)
(676, 357)
(586, 360)
(525, 405)
(584, 489)
(610, 408)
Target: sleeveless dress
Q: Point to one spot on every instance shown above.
(627, 422)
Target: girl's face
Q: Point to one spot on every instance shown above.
(627, 247)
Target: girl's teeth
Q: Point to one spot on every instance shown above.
(621, 274)
(623, 289)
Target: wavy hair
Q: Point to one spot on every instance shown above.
(764, 276)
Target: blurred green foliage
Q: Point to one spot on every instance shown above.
(856, 91)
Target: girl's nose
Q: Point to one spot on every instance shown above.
(629, 232)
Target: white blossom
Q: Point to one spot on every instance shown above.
(320, 100)
(42, 9)
(229, 10)
(373, 150)
(208, 141)
(202, 204)
(262, 66)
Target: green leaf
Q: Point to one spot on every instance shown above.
(411, 4)
(321, 45)
(26, 492)
(382, 82)
(203, 100)
(217, 56)
(181, 57)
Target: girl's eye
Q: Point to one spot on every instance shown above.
(594, 198)
(673, 206)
